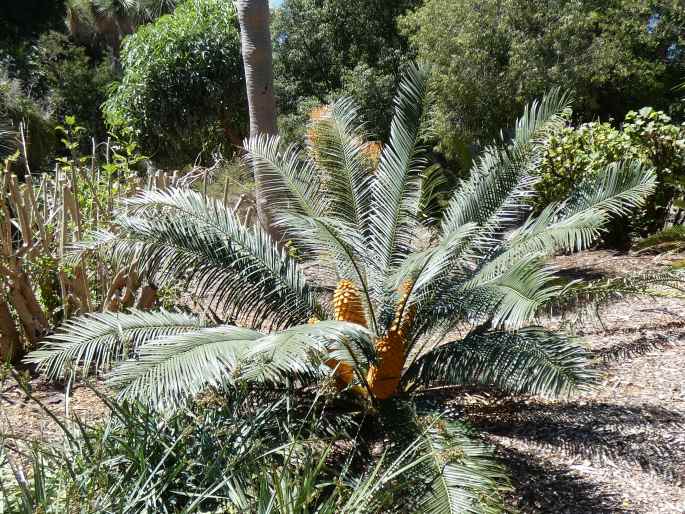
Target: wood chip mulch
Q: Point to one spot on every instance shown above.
(619, 448)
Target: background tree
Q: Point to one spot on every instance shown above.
(105, 23)
(493, 56)
(327, 48)
(182, 89)
(255, 38)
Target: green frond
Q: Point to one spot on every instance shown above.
(671, 239)
(447, 470)
(330, 240)
(396, 190)
(181, 235)
(516, 292)
(95, 341)
(340, 143)
(528, 361)
(579, 296)
(466, 476)
(169, 370)
(287, 181)
(620, 188)
(501, 182)
(294, 351)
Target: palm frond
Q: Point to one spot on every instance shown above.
(288, 182)
(623, 186)
(330, 240)
(95, 341)
(528, 361)
(671, 239)
(167, 371)
(340, 144)
(466, 477)
(501, 181)
(577, 295)
(294, 351)
(448, 469)
(396, 190)
(181, 235)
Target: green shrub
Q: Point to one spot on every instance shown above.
(182, 89)
(576, 154)
(75, 84)
(16, 108)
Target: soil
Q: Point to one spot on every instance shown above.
(619, 448)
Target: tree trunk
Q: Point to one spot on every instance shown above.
(10, 344)
(255, 38)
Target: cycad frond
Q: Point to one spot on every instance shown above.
(528, 361)
(340, 144)
(287, 182)
(519, 292)
(578, 295)
(294, 351)
(94, 341)
(502, 180)
(671, 239)
(449, 470)
(330, 239)
(171, 369)
(181, 235)
(622, 187)
(466, 477)
(396, 190)
(576, 224)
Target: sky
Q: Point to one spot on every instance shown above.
(275, 3)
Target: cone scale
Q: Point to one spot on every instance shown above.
(384, 379)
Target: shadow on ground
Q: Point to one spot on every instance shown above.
(597, 432)
(542, 487)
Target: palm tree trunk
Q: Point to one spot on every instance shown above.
(255, 37)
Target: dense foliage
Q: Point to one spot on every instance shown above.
(575, 154)
(183, 89)
(326, 49)
(493, 56)
(102, 24)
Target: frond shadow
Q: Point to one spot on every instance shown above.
(542, 487)
(599, 432)
(629, 350)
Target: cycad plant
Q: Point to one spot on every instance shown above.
(416, 305)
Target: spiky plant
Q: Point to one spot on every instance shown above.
(416, 306)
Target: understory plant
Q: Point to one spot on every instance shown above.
(576, 153)
(415, 306)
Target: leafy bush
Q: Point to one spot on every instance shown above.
(74, 84)
(575, 154)
(182, 89)
(16, 108)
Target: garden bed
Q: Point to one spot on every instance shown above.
(617, 449)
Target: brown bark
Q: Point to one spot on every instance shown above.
(148, 297)
(10, 344)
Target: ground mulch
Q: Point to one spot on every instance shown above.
(619, 448)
